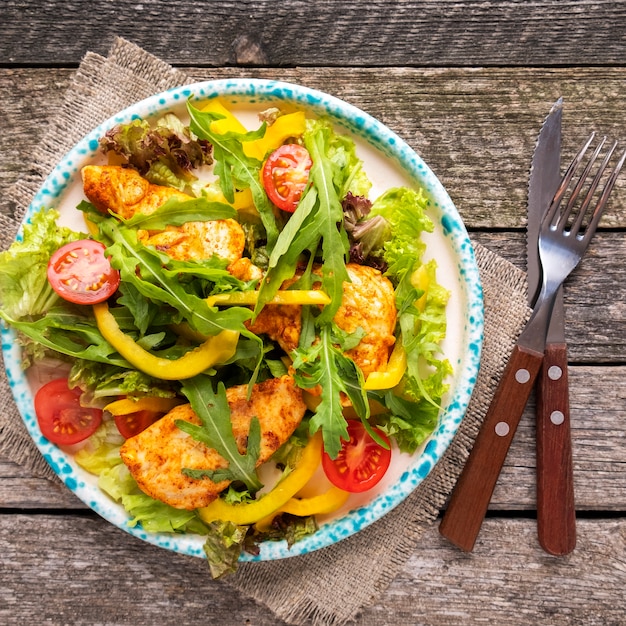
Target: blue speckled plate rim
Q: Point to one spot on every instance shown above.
(392, 146)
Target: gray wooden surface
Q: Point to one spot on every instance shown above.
(467, 85)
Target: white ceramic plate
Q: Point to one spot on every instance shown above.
(389, 162)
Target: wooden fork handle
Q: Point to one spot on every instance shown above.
(556, 512)
(470, 499)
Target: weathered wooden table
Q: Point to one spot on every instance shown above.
(467, 85)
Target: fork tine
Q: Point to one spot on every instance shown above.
(565, 181)
(592, 188)
(599, 208)
(565, 215)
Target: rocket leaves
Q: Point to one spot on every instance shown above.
(216, 432)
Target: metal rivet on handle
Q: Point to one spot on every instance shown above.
(557, 418)
(502, 429)
(522, 376)
(555, 372)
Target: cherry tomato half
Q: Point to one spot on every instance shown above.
(286, 174)
(80, 273)
(361, 462)
(134, 423)
(62, 420)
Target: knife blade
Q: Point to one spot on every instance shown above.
(556, 514)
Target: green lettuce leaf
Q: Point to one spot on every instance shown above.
(152, 515)
(414, 416)
(223, 546)
(24, 287)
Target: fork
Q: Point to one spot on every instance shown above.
(562, 244)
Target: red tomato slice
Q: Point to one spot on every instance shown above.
(361, 462)
(80, 273)
(134, 423)
(286, 174)
(62, 420)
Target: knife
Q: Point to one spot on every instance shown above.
(556, 514)
(470, 498)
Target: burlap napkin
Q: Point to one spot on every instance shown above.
(332, 585)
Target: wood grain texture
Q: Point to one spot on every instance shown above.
(300, 33)
(475, 128)
(104, 576)
(467, 85)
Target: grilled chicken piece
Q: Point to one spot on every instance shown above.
(125, 192)
(368, 302)
(157, 456)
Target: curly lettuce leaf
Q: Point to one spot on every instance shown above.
(152, 515)
(422, 328)
(24, 287)
(223, 546)
(108, 381)
(164, 154)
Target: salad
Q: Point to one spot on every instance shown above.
(240, 337)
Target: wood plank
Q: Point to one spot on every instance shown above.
(83, 570)
(507, 579)
(476, 128)
(598, 414)
(105, 576)
(364, 33)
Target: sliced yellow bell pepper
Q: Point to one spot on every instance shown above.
(214, 350)
(229, 123)
(250, 298)
(126, 406)
(243, 199)
(396, 366)
(285, 127)
(421, 280)
(327, 502)
(251, 512)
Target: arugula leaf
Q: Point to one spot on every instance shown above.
(315, 223)
(175, 212)
(234, 168)
(143, 266)
(325, 364)
(216, 432)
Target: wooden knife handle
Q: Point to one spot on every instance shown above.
(470, 499)
(556, 512)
